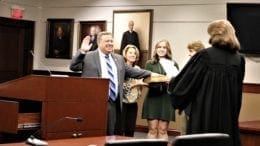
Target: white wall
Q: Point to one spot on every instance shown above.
(179, 21)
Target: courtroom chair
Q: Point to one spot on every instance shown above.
(137, 142)
(204, 139)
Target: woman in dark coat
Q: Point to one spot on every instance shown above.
(157, 107)
(212, 82)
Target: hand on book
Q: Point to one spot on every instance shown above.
(138, 83)
(155, 77)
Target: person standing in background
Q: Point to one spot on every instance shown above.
(130, 37)
(157, 107)
(132, 91)
(212, 82)
(194, 47)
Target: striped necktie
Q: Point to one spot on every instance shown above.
(112, 85)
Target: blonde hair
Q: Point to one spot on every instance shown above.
(137, 53)
(222, 35)
(155, 58)
(196, 46)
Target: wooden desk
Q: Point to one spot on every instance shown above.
(42, 95)
(250, 133)
(86, 141)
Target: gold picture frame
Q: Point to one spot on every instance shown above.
(59, 38)
(143, 25)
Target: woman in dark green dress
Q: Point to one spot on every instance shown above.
(157, 107)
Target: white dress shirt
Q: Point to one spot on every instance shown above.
(104, 71)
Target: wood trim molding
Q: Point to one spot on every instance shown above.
(252, 127)
(251, 88)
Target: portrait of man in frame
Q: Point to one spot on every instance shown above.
(59, 38)
(142, 20)
(91, 29)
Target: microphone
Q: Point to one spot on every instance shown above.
(33, 141)
(48, 69)
(42, 64)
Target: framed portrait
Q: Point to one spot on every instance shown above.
(91, 29)
(59, 38)
(142, 25)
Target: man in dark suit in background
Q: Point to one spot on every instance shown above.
(93, 64)
(130, 37)
(60, 45)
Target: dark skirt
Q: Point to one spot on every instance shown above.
(158, 107)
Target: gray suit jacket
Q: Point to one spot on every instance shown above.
(90, 66)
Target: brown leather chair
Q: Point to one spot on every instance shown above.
(205, 139)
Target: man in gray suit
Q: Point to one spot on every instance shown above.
(93, 64)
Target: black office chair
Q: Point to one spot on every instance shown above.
(205, 139)
(137, 142)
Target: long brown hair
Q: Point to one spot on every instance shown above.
(155, 57)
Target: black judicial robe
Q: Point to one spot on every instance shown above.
(212, 82)
(129, 38)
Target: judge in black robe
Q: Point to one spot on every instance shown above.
(130, 37)
(212, 82)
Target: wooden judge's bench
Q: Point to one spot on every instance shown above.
(54, 107)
